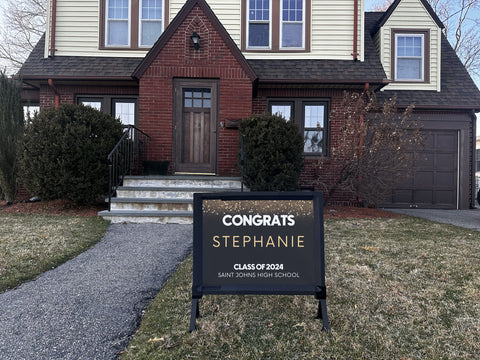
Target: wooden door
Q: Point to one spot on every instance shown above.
(196, 126)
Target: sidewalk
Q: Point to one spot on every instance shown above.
(89, 307)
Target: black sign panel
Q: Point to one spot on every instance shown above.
(258, 243)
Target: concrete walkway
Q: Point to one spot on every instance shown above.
(89, 307)
(469, 219)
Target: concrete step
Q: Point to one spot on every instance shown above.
(151, 204)
(141, 216)
(163, 199)
(166, 192)
(183, 181)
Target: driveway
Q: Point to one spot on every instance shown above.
(89, 307)
(469, 219)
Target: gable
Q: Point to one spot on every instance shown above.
(411, 16)
(196, 16)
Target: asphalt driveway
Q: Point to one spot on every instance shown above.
(469, 219)
(89, 307)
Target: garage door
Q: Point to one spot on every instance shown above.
(435, 180)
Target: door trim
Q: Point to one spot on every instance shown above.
(178, 106)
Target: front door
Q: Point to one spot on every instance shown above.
(195, 126)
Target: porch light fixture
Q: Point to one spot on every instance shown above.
(196, 40)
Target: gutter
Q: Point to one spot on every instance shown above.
(55, 91)
(52, 29)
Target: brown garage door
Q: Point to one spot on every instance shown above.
(434, 184)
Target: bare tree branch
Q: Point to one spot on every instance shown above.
(24, 24)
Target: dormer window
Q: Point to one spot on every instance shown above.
(132, 24)
(410, 56)
(276, 25)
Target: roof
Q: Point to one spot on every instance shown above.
(324, 71)
(458, 91)
(36, 67)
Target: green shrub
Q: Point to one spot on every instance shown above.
(11, 130)
(65, 153)
(273, 153)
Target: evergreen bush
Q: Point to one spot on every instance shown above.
(273, 150)
(11, 131)
(65, 153)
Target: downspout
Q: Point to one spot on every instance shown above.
(52, 28)
(355, 30)
(474, 160)
(55, 91)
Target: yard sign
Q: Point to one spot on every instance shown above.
(258, 243)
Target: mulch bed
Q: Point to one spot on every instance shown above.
(65, 207)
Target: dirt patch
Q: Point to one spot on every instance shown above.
(331, 212)
(54, 207)
(65, 207)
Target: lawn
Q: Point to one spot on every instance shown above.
(400, 288)
(31, 244)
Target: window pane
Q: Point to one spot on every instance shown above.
(282, 110)
(118, 9)
(313, 141)
(93, 104)
(259, 10)
(409, 69)
(125, 111)
(151, 31)
(258, 35)
(292, 35)
(117, 33)
(152, 9)
(314, 116)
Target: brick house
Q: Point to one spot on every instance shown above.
(137, 60)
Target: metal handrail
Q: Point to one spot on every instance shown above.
(126, 158)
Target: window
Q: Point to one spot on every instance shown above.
(276, 25)
(132, 23)
(118, 22)
(123, 108)
(292, 24)
(151, 21)
(259, 22)
(197, 98)
(284, 109)
(314, 127)
(410, 56)
(311, 116)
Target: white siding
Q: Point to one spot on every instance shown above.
(78, 32)
(410, 14)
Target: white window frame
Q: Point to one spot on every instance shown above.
(269, 47)
(108, 21)
(141, 20)
(421, 58)
(292, 22)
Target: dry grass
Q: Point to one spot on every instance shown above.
(32, 244)
(399, 288)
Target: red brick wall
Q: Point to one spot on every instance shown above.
(67, 93)
(178, 59)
